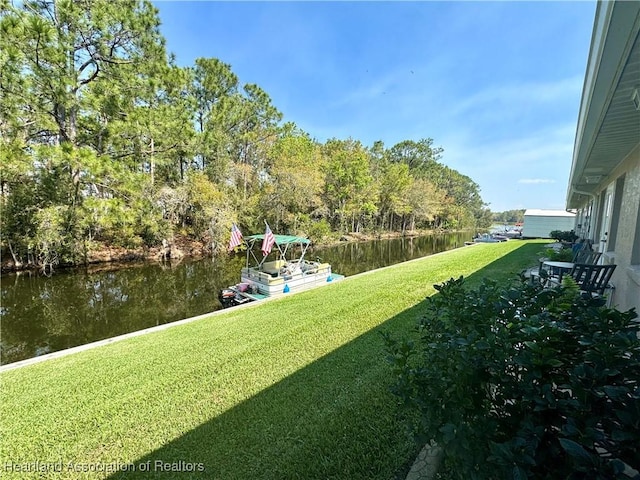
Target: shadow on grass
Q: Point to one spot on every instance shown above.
(334, 419)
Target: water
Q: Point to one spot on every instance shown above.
(41, 314)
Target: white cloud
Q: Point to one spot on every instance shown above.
(529, 171)
(521, 94)
(549, 148)
(536, 180)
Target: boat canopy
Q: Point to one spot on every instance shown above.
(281, 239)
(283, 242)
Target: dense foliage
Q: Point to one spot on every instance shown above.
(568, 236)
(509, 216)
(105, 141)
(519, 382)
(563, 254)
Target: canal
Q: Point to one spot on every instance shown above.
(41, 314)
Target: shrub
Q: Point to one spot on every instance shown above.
(55, 240)
(560, 236)
(520, 382)
(319, 230)
(560, 255)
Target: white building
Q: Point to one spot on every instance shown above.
(540, 223)
(604, 184)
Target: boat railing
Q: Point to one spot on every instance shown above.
(258, 276)
(308, 267)
(271, 272)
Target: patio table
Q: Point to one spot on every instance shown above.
(560, 267)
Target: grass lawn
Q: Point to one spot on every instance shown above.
(290, 388)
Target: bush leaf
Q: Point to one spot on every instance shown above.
(576, 451)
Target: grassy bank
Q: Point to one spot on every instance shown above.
(292, 388)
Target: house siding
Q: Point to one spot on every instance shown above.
(625, 252)
(540, 225)
(627, 249)
(607, 147)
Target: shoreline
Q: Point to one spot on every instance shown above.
(183, 248)
(158, 328)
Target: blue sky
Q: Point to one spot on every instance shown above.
(497, 85)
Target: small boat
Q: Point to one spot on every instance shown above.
(488, 238)
(507, 232)
(513, 233)
(288, 273)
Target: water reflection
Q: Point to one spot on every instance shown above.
(45, 314)
(352, 258)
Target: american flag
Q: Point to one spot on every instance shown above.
(268, 241)
(236, 237)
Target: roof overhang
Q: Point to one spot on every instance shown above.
(609, 119)
(536, 212)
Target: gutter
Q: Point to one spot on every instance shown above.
(581, 192)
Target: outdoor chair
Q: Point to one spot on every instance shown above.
(537, 274)
(586, 256)
(592, 279)
(553, 276)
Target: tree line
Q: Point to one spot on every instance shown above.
(106, 141)
(509, 216)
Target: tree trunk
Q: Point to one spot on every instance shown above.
(152, 162)
(15, 260)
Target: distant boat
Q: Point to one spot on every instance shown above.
(508, 231)
(277, 277)
(489, 238)
(513, 233)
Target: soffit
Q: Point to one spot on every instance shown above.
(611, 132)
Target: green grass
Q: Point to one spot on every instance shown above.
(291, 388)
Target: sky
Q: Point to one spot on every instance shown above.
(497, 85)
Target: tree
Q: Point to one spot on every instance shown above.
(59, 57)
(394, 185)
(463, 203)
(419, 156)
(216, 95)
(257, 130)
(509, 216)
(62, 47)
(425, 202)
(105, 141)
(293, 188)
(347, 182)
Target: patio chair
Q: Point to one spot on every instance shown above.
(582, 256)
(537, 274)
(593, 279)
(587, 256)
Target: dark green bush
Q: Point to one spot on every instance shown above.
(562, 236)
(519, 382)
(561, 255)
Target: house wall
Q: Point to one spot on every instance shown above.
(623, 240)
(626, 251)
(536, 226)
